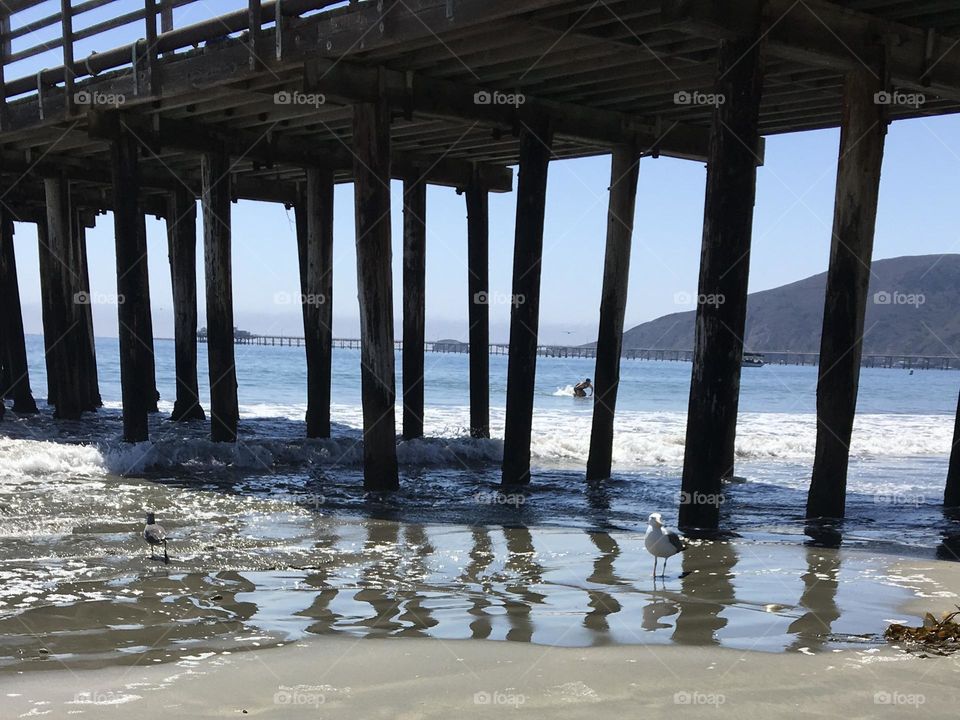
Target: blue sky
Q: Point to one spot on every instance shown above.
(791, 237)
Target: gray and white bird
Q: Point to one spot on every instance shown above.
(155, 535)
(661, 542)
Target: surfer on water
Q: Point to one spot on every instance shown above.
(580, 389)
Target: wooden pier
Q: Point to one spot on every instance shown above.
(779, 357)
(279, 100)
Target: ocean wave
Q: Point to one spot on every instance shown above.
(559, 439)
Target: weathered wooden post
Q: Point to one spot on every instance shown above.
(535, 143)
(316, 255)
(48, 313)
(414, 303)
(133, 304)
(951, 493)
(66, 300)
(150, 371)
(14, 351)
(722, 290)
(182, 252)
(478, 287)
(862, 130)
(88, 354)
(624, 174)
(371, 172)
(224, 410)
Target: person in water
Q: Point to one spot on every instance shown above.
(580, 389)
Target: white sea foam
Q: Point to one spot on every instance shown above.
(560, 439)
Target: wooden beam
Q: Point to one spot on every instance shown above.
(478, 288)
(317, 299)
(824, 34)
(371, 145)
(131, 250)
(862, 135)
(624, 175)
(489, 106)
(224, 410)
(724, 268)
(275, 148)
(414, 303)
(14, 351)
(182, 251)
(535, 143)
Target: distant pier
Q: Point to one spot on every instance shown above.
(780, 357)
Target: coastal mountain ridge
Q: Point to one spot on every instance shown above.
(912, 309)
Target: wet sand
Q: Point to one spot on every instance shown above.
(416, 678)
(368, 676)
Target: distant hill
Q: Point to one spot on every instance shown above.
(913, 308)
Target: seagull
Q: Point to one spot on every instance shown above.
(661, 542)
(155, 535)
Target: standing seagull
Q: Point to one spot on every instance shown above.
(155, 535)
(661, 542)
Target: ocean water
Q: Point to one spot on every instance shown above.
(274, 538)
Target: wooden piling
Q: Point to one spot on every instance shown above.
(182, 252)
(724, 268)
(317, 299)
(88, 354)
(478, 287)
(535, 143)
(66, 300)
(951, 493)
(371, 171)
(224, 411)
(48, 313)
(862, 130)
(624, 174)
(414, 303)
(14, 351)
(133, 305)
(150, 370)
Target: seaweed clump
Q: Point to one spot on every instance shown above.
(940, 637)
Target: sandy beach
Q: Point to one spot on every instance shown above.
(412, 678)
(338, 676)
